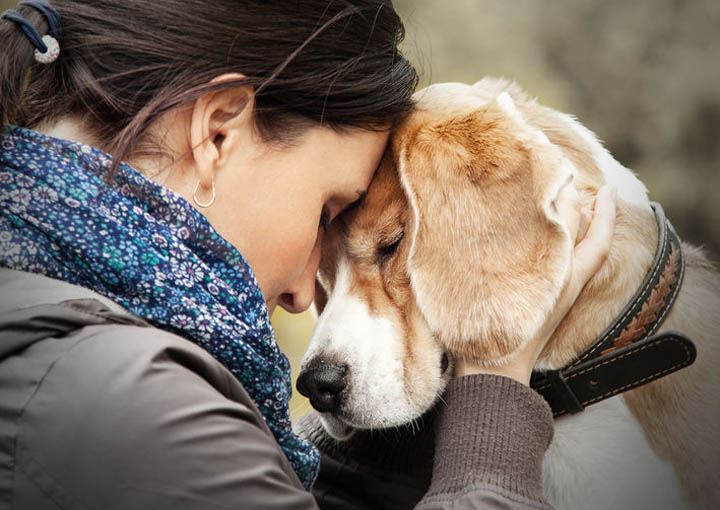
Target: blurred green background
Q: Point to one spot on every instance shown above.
(643, 75)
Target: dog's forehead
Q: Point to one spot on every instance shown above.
(451, 98)
(442, 103)
(384, 190)
(381, 213)
(385, 209)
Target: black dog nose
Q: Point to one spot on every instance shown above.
(322, 383)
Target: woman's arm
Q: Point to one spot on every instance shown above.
(491, 436)
(487, 437)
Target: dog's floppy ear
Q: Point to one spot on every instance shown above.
(488, 254)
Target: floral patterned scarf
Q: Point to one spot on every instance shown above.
(146, 248)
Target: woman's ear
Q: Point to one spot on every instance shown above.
(220, 120)
(488, 257)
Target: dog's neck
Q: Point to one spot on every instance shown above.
(610, 290)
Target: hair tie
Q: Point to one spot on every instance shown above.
(47, 47)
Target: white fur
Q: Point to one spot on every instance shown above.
(630, 188)
(600, 459)
(372, 348)
(507, 105)
(452, 95)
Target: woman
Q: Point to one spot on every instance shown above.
(168, 170)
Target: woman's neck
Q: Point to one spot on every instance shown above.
(68, 128)
(72, 128)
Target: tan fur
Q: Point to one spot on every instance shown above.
(485, 159)
(386, 288)
(483, 260)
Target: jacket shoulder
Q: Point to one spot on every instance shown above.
(138, 417)
(21, 290)
(100, 410)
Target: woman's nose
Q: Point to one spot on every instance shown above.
(299, 296)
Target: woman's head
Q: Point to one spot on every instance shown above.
(124, 64)
(324, 78)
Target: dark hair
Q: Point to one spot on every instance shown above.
(124, 64)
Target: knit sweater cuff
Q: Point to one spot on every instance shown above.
(491, 430)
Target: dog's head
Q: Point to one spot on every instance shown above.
(457, 250)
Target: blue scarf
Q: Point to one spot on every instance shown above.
(146, 248)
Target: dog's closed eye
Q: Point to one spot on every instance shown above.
(387, 250)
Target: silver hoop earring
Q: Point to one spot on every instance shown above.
(207, 204)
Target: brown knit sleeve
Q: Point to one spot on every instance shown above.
(491, 436)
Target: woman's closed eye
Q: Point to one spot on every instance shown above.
(325, 218)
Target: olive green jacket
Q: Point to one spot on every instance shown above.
(99, 410)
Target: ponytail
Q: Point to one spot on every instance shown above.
(24, 47)
(15, 62)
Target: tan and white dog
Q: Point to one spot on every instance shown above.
(457, 249)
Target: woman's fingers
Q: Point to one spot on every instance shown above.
(588, 256)
(568, 207)
(593, 249)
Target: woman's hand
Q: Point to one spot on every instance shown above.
(592, 245)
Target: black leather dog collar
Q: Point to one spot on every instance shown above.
(627, 355)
